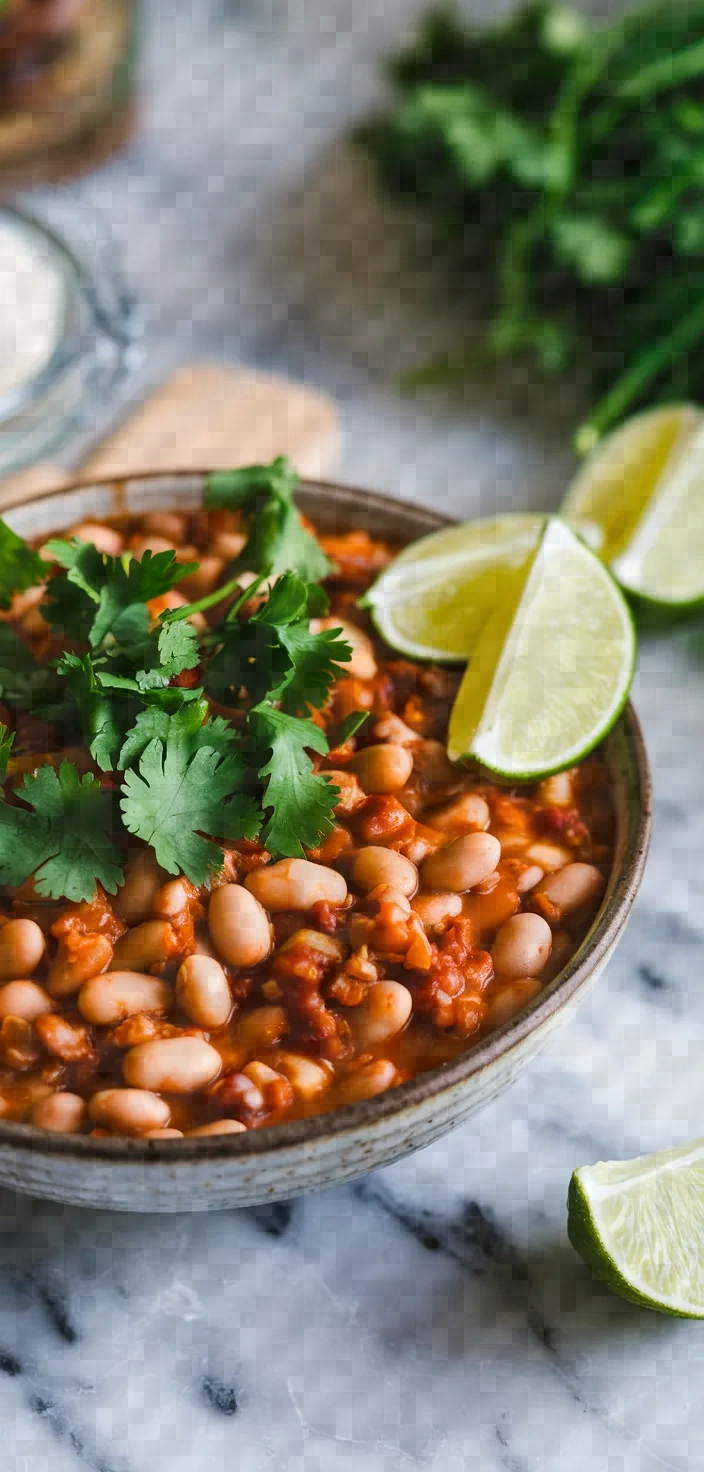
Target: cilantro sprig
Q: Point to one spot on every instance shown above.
(188, 783)
(98, 597)
(299, 800)
(274, 654)
(277, 540)
(184, 780)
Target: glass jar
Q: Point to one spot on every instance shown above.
(66, 73)
(70, 331)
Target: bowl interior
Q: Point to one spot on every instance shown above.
(339, 508)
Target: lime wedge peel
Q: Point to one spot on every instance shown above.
(639, 1225)
(638, 501)
(545, 685)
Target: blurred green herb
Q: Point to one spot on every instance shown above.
(568, 161)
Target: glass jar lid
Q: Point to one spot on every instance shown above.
(70, 332)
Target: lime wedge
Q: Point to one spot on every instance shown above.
(639, 1224)
(434, 599)
(551, 668)
(639, 503)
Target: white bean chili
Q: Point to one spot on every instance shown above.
(438, 907)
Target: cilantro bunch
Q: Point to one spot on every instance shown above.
(139, 690)
(565, 163)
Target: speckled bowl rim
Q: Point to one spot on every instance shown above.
(351, 1118)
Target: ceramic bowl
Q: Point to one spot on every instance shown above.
(288, 1159)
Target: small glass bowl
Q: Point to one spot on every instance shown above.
(97, 344)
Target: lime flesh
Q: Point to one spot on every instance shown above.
(639, 504)
(550, 673)
(436, 597)
(639, 1224)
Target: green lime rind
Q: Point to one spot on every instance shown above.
(589, 1244)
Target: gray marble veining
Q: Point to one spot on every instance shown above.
(433, 1317)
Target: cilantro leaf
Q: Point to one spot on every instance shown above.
(185, 727)
(315, 664)
(302, 801)
(20, 566)
(277, 540)
(6, 743)
(102, 728)
(314, 659)
(274, 655)
(234, 490)
(178, 647)
(64, 841)
(179, 794)
(99, 595)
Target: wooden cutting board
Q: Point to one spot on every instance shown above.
(206, 417)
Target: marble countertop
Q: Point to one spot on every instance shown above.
(434, 1316)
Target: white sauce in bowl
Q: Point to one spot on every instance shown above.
(32, 305)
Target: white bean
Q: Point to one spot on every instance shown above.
(510, 999)
(463, 863)
(203, 991)
(383, 1013)
(296, 884)
(573, 887)
(228, 545)
(169, 524)
(375, 865)
(238, 926)
(522, 946)
(198, 584)
(529, 878)
(172, 1065)
(220, 1127)
(24, 999)
(131, 1111)
(108, 999)
(307, 1076)
(151, 543)
(171, 900)
(468, 813)
(143, 879)
(384, 768)
(149, 944)
(372, 1079)
(22, 946)
(60, 1113)
(549, 855)
(392, 728)
(168, 1134)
